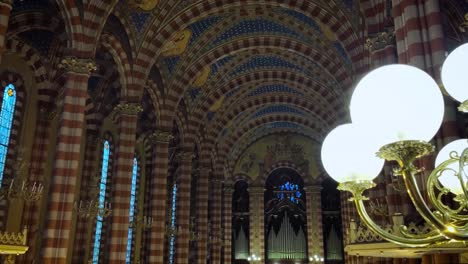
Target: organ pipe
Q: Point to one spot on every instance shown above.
(241, 245)
(286, 244)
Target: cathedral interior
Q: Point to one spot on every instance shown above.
(189, 131)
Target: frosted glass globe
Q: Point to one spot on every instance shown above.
(448, 178)
(401, 102)
(348, 154)
(454, 73)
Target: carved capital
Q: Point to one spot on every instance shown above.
(381, 40)
(181, 156)
(128, 109)
(160, 136)
(73, 64)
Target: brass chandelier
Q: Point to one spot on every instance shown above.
(395, 111)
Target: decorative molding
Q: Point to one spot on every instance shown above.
(381, 40)
(160, 136)
(128, 109)
(74, 64)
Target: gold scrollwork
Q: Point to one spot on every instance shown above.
(74, 64)
(380, 41)
(160, 136)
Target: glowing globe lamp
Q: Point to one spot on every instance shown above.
(348, 154)
(448, 177)
(401, 102)
(454, 72)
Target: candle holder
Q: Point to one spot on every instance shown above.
(91, 209)
(22, 189)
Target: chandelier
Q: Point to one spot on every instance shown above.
(395, 111)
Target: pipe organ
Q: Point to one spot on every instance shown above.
(241, 245)
(287, 244)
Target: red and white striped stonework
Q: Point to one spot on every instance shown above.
(149, 167)
(202, 209)
(227, 222)
(57, 232)
(160, 141)
(82, 224)
(216, 220)
(314, 220)
(31, 212)
(257, 221)
(127, 115)
(5, 9)
(183, 208)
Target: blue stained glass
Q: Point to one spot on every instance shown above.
(173, 223)
(289, 190)
(102, 198)
(6, 120)
(132, 210)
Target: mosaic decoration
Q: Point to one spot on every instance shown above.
(146, 5)
(102, 199)
(255, 26)
(202, 77)
(139, 19)
(6, 120)
(217, 105)
(199, 27)
(302, 17)
(131, 213)
(177, 43)
(264, 61)
(274, 88)
(277, 109)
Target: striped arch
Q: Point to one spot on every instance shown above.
(310, 34)
(239, 45)
(118, 13)
(103, 103)
(22, 22)
(45, 92)
(375, 14)
(286, 164)
(113, 45)
(8, 77)
(331, 16)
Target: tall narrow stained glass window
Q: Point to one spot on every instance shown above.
(173, 224)
(132, 210)
(101, 201)
(6, 120)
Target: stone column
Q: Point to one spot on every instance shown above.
(183, 208)
(216, 221)
(202, 214)
(126, 116)
(71, 108)
(314, 220)
(32, 212)
(227, 222)
(5, 9)
(257, 221)
(160, 140)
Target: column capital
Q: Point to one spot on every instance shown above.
(78, 65)
(184, 156)
(127, 109)
(205, 170)
(380, 40)
(160, 136)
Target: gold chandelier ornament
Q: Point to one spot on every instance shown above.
(395, 111)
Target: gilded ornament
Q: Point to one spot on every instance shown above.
(405, 151)
(177, 44)
(145, 5)
(356, 188)
(73, 64)
(160, 136)
(202, 77)
(464, 25)
(380, 41)
(128, 109)
(463, 107)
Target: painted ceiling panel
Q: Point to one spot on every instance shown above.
(277, 109)
(199, 27)
(264, 61)
(272, 89)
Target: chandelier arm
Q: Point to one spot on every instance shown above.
(409, 242)
(463, 158)
(433, 183)
(422, 208)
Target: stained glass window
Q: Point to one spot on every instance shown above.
(101, 201)
(173, 224)
(290, 191)
(132, 210)
(6, 119)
